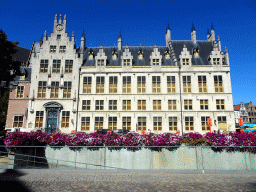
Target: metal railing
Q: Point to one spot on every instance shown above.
(33, 161)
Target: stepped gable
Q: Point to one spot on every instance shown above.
(204, 47)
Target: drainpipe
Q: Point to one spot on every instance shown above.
(78, 98)
(181, 103)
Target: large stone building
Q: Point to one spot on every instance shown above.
(157, 88)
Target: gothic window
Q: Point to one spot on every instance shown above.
(100, 84)
(202, 84)
(141, 84)
(157, 123)
(204, 125)
(112, 105)
(62, 49)
(68, 66)
(173, 123)
(85, 123)
(44, 66)
(112, 123)
(86, 105)
(113, 84)
(18, 121)
(20, 92)
(67, 89)
(156, 84)
(54, 89)
(172, 105)
(98, 123)
(189, 123)
(142, 123)
(99, 105)
(156, 105)
(141, 105)
(171, 84)
(52, 49)
(126, 123)
(126, 84)
(56, 66)
(41, 89)
(65, 119)
(188, 104)
(87, 84)
(39, 119)
(204, 105)
(126, 105)
(218, 84)
(186, 84)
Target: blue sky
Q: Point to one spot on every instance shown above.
(144, 23)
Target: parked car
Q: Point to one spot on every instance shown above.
(103, 131)
(121, 131)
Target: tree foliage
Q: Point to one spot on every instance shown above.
(7, 49)
(7, 64)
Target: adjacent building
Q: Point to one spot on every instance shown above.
(158, 88)
(251, 109)
(17, 113)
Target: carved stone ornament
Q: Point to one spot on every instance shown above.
(59, 27)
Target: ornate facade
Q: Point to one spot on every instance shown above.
(158, 88)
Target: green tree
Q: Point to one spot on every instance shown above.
(7, 64)
(3, 109)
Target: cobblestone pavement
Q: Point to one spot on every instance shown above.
(126, 180)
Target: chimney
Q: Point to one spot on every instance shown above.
(226, 56)
(167, 35)
(218, 42)
(119, 41)
(82, 41)
(193, 34)
(212, 34)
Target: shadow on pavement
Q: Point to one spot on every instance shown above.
(9, 181)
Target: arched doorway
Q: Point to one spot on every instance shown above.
(52, 116)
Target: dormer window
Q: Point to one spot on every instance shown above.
(155, 62)
(185, 61)
(140, 55)
(100, 62)
(167, 55)
(114, 55)
(127, 62)
(196, 52)
(185, 57)
(216, 61)
(90, 55)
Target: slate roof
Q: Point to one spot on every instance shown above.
(21, 55)
(23, 70)
(204, 47)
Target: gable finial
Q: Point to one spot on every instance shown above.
(168, 27)
(65, 17)
(120, 35)
(208, 32)
(55, 16)
(73, 33)
(193, 27)
(212, 27)
(83, 34)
